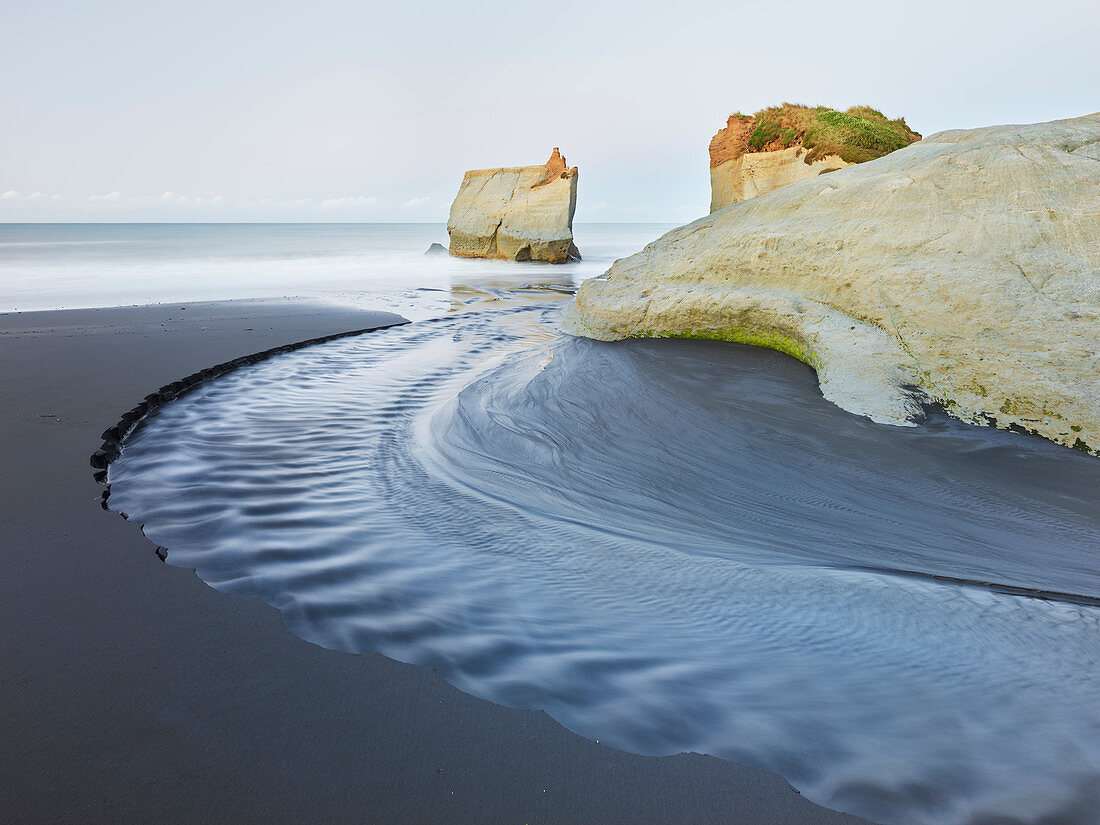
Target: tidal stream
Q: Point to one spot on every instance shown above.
(666, 545)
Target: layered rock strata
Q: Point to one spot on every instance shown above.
(964, 268)
(522, 213)
(757, 173)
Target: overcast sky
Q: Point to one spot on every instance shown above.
(369, 111)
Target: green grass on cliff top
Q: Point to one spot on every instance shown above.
(857, 135)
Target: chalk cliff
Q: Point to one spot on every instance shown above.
(966, 265)
(754, 155)
(521, 213)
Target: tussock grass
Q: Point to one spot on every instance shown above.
(856, 135)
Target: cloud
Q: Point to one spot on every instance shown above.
(342, 203)
(12, 195)
(276, 202)
(172, 197)
(414, 203)
(192, 205)
(115, 197)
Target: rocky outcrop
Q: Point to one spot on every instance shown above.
(965, 266)
(522, 213)
(756, 154)
(757, 173)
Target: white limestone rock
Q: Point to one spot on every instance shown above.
(757, 173)
(967, 264)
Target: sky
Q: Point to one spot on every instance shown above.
(364, 111)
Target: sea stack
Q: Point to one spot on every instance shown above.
(518, 213)
(964, 268)
(756, 154)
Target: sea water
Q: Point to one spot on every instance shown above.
(374, 266)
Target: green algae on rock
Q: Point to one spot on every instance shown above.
(756, 337)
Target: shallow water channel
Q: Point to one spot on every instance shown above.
(668, 546)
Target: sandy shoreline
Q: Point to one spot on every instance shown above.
(132, 692)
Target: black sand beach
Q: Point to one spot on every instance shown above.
(130, 691)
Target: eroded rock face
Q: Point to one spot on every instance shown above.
(967, 265)
(737, 174)
(521, 213)
(757, 173)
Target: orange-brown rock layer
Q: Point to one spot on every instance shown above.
(732, 141)
(556, 168)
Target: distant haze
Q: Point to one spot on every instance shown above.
(363, 111)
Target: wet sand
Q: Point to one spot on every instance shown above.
(132, 692)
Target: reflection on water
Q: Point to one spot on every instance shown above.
(668, 545)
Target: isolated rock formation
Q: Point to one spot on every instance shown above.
(967, 265)
(756, 154)
(521, 213)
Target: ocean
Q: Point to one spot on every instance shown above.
(375, 266)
